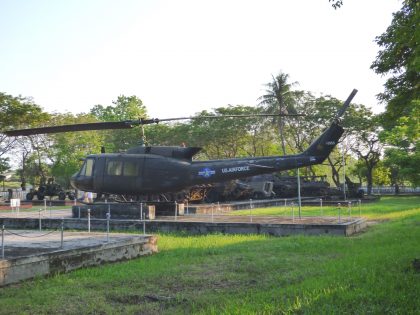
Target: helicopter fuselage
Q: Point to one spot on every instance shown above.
(155, 170)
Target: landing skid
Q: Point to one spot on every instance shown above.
(133, 199)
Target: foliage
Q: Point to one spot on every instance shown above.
(399, 60)
(124, 108)
(36, 170)
(4, 164)
(16, 112)
(403, 152)
(336, 3)
(381, 174)
(166, 134)
(248, 274)
(403, 167)
(68, 148)
(368, 148)
(20, 112)
(231, 137)
(279, 99)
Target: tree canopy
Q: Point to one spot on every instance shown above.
(399, 60)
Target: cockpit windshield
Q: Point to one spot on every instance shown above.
(87, 168)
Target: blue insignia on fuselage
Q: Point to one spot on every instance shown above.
(206, 172)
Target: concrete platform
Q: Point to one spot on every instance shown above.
(202, 224)
(28, 254)
(274, 225)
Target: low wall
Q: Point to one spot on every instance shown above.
(60, 261)
(201, 227)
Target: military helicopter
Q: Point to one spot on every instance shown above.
(154, 170)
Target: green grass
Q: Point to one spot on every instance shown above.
(370, 273)
(387, 208)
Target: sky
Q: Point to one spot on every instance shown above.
(181, 57)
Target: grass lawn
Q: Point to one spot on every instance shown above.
(370, 273)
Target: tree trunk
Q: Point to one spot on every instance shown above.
(334, 173)
(397, 188)
(281, 130)
(369, 180)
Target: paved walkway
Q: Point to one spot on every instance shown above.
(35, 213)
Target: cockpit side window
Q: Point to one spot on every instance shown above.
(87, 168)
(114, 168)
(130, 168)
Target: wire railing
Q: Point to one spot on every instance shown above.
(64, 223)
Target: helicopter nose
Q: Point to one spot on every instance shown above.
(73, 181)
(82, 182)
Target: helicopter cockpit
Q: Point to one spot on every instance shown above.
(83, 180)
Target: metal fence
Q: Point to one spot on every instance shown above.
(390, 190)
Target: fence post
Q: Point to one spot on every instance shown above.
(176, 210)
(141, 210)
(144, 227)
(349, 206)
(108, 216)
(88, 212)
(62, 233)
(250, 214)
(39, 219)
(360, 208)
(2, 241)
(339, 214)
(320, 204)
(79, 212)
(293, 212)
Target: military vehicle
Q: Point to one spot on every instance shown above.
(220, 192)
(152, 170)
(49, 189)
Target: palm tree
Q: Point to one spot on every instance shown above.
(279, 99)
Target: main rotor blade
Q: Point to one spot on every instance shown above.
(346, 104)
(70, 128)
(126, 124)
(228, 116)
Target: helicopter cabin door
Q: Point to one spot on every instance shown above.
(122, 175)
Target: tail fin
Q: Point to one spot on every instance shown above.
(322, 147)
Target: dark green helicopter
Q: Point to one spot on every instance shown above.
(154, 170)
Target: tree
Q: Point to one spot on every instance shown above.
(368, 149)
(279, 99)
(231, 137)
(18, 112)
(301, 132)
(67, 149)
(402, 169)
(399, 60)
(4, 165)
(124, 108)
